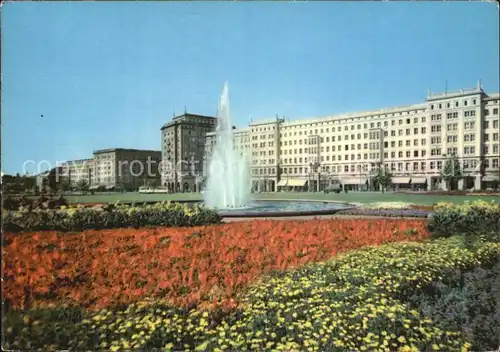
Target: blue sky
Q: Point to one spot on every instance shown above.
(110, 74)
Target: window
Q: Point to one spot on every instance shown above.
(469, 137)
(495, 111)
(452, 127)
(435, 128)
(435, 140)
(469, 150)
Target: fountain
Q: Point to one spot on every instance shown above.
(228, 180)
(228, 186)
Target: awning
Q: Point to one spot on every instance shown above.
(418, 180)
(296, 183)
(401, 180)
(354, 181)
(110, 187)
(93, 187)
(282, 183)
(490, 178)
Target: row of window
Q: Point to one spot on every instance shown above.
(375, 135)
(456, 103)
(400, 154)
(487, 112)
(436, 140)
(408, 166)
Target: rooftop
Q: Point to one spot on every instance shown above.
(183, 117)
(118, 150)
(77, 161)
(369, 113)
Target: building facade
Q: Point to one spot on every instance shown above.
(183, 151)
(412, 142)
(75, 171)
(126, 169)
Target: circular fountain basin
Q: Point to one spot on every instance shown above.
(277, 208)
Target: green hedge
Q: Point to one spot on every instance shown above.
(109, 217)
(477, 219)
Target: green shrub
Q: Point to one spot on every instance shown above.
(475, 220)
(466, 302)
(79, 218)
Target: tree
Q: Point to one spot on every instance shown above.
(64, 185)
(383, 178)
(495, 184)
(452, 171)
(29, 183)
(82, 185)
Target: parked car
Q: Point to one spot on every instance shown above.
(337, 188)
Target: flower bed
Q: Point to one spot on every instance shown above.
(357, 301)
(183, 265)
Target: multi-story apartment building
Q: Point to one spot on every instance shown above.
(77, 170)
(126, 169)
(412, 142)
(183, 151)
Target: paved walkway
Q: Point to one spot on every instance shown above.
(311, 217)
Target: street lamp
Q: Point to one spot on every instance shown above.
(314, 169)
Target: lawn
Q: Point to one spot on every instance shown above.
(354, 197)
